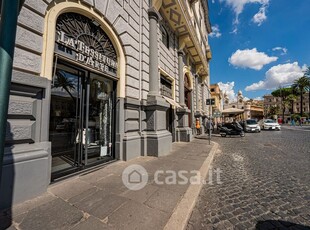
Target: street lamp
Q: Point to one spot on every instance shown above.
(8, 23)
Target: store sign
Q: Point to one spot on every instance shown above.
(85, 43)
(84, 54)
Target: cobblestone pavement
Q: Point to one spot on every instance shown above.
(265, 183)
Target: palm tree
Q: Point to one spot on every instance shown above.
(62, 81)
(290, 101)
(300, 86)
(307, 75)
(283, 93)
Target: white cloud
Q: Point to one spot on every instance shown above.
(228, 88)
(260, 16)
(282, 49)
(215, 32)
(246, 99)
(238, 6)
(279, 75)
(250, 59)
(258, 98)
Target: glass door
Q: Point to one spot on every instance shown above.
(100, 119)
(67, 96)
(81, 119)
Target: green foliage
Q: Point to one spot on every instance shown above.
(282, 92)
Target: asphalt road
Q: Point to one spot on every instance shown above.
(265, 183)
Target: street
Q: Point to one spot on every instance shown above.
(265, 183)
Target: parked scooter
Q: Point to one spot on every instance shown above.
(231, 129)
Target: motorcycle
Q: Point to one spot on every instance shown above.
(231, 129)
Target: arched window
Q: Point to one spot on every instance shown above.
(164, 36)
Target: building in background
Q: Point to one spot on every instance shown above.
(273, 106)
(95, 81)
(217, 108)
(244, 109)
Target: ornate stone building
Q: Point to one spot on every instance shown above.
(101, 80)
(252, 109)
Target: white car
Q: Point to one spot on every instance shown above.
(251, 125)
(269, 124)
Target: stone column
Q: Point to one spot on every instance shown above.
(203, 107)
(158, 138)
(197, 111)
(153, 46)
(184, 133)
(203, 99)
(181, 78)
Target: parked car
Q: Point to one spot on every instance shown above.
(231, 129)
(269, 124)
(251, 125)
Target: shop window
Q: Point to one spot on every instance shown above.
(164, 36)
(165, 87)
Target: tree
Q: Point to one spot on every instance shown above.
(283, 93)
(307, 75)
(62, 81)
(300, 86)
(290, 101)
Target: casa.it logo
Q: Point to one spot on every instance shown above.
(135, 177)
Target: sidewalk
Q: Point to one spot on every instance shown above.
(100, 200)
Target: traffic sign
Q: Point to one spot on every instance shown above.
(210, 101)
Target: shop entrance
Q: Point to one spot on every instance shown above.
(81, 119)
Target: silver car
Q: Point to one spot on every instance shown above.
(251, 125)
(269, 124)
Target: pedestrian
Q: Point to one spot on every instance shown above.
(209, 126)
(198, 126)
(293, 122)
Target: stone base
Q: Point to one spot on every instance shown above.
(25, 174)
(184, 134)
(159, 143)
(131, 146)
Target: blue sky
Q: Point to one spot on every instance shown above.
(258, 45)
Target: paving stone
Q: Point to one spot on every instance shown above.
(163, 200)
(56, 214)
(70, 188)
(134, 215)
(100, 204)
(91, 223)
(265, 178)
(141, 195)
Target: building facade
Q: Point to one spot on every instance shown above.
(95, 81)
(217, 108)
(273, 106)
(252, 109)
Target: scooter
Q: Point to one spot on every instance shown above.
(231, 129)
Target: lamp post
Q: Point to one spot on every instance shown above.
(8, 23)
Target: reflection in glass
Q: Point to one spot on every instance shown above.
(81, 116)
(64, 113)
(100, 118)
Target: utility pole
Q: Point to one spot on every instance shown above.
(8, 23)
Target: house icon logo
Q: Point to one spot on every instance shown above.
(135, 177)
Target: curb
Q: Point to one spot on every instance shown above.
(183, 211)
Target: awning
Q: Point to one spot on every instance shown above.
(172, 102)
(234, 111)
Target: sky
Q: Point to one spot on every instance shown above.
(258, 45)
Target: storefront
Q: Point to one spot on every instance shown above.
(92, 83)
(82, 111)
